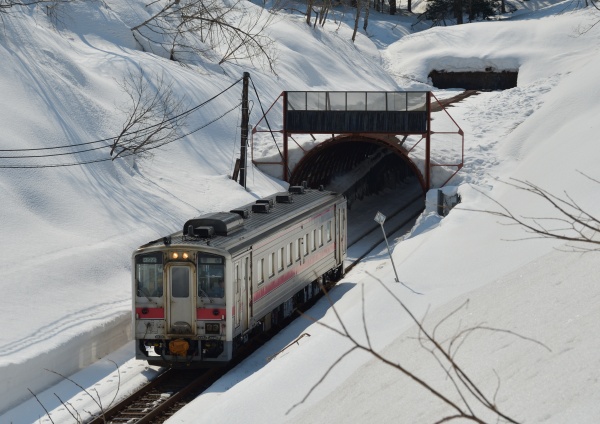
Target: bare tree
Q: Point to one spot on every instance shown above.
(594, 4)
(6, 5)
(444, 353)
(188, 28)
(356, 18)
(309, 10)
(154, 116)
(95, 397)
(393, 7)
(367, 10)
(572, 222)
(325, 7)
(320, 8)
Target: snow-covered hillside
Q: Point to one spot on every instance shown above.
(68, 232)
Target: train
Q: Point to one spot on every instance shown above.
(200, 294)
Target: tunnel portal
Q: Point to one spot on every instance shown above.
(357, 166)
(485, 80)
(368, 130)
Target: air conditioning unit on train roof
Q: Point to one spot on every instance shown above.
(223, 223)
(203, 231)
(261, 208)
(269, 202)
(243, 212)
(284, 198)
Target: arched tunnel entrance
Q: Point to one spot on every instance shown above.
(373, 175)
(357, 166)
(379, 141)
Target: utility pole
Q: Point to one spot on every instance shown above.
(244, 131)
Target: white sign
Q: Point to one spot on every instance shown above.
(380, 218)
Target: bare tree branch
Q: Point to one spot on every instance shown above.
(443, 352)
(41, 404)
(154, 117)
(573, 223)
(197, 27)
(6, 5)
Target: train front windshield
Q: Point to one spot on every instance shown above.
(149, 275)
(211, 276)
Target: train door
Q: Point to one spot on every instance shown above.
(338, 247)
(343, 230)
(340, 232)
(181, 294)
(242, 290)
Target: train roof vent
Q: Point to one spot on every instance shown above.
(261, 208)
(223, 223)
(204, 231)
(296, 189)
(284, 198)
(244, 213)
(266, 202)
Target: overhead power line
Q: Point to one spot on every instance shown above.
(58, 165)
(185, 113)
(137, 133)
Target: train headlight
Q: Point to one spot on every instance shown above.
(185, 255)
(174, 255)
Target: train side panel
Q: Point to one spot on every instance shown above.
(289, 260)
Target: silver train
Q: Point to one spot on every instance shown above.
(200, 294)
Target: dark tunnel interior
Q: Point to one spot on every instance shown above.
(484, 81)
(326, 162)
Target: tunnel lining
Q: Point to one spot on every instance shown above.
(337, 157)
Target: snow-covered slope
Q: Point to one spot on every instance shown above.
(68, 232)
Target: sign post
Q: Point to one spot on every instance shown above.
(380, 219)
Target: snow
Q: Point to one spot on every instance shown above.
(68, 232)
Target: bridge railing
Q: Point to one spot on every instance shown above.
(369, 101)
(339, 112)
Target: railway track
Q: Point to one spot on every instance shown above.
(158, 400)
(400, 218)
(171, 390)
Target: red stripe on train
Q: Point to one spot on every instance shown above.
(150, 313)
(210, 313)
(282, 279)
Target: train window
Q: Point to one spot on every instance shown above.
(259, 271)
(211, 276)
(297, 249)
(314, 240)
(320, 236)
(305, 244)
(280, 259)
(272, 264)
(149, 275)
(328, 231)
(291, 253)
(180, 281)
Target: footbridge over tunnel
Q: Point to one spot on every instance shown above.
(371, 139)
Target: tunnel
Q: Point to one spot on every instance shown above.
(487, 80)
(357, 166)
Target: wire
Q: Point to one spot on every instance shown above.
(120, 156)
(289, 172)
(235, 136)
(187, 112)
(54, 154)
